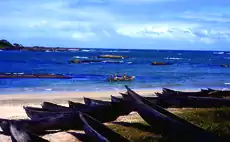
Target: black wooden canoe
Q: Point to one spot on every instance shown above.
(37, 113)
(183, 92)
(203, 93)
(95, 102)
(65, 121)
(169, 123)
(103, 113)
(18, 134)
(99, 132)
(77, 105)
(160, 109)
(116, 99)
(197, 102)
(54, 107)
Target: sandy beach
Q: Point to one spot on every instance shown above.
(11, 107)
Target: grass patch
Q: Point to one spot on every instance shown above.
(136, 132)
(2, 47)
(216, 120)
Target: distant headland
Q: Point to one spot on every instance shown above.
(6, 45)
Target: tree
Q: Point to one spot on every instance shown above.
(5, 44)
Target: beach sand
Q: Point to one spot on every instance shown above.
(11, 107)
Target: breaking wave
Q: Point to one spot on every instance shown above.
(173, 58)
(80, 57)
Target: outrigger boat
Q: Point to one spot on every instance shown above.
(121, 78)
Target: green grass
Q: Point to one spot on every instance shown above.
(136, 132)
(215, 120)
(1, 46)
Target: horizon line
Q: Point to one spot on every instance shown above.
(128, 48)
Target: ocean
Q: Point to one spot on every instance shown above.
(190, 70)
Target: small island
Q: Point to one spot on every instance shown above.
(6, 45)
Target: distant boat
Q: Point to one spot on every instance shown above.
(111, 56)
(77, 49)
(220, 53)
(76, 61)
(225, 65)
(121, 78)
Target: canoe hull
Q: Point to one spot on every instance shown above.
(99, 132)
(169, 123)
(18, 134)
(94, 102)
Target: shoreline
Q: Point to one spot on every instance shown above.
(72, 94)
(62, 97)
(46, 91)
(11, 106)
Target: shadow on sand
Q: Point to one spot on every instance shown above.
(80, 136)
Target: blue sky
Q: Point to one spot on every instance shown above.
(152, 24)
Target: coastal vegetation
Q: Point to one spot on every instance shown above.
(6, 45)
(216, 120)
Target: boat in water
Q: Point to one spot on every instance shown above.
(225, 65)
(120, 78)
(111, 56)
(76, 61)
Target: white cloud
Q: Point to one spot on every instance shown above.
(174, 31)
(37, 24)
(83, 36)
(53, 19)
(207, 16)
(97, 1)
(58, 18)
(144, 1)
(160, 30)
(207, 40)
(106, 33)
(59, 25)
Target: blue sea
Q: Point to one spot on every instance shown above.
(190, 70)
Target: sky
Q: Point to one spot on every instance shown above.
(125, 24)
